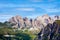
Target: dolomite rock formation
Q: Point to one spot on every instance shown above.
(39, 22)
(17, 20)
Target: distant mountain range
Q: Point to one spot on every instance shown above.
(45, 27)
(39, 22)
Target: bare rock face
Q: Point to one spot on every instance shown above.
(20, 22)
(45, 19)
(50, 32)
(17, 20)
(26, 22)
(32, 22)
(39, 22)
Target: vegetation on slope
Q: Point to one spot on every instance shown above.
(18, 34)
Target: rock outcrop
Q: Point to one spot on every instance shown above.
(39, 22)
(50, 32)
(17, 20)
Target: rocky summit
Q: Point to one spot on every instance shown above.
(38, 22)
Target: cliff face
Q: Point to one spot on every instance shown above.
(50, 32)
(39, 22)
(45, 19)
(17, 20)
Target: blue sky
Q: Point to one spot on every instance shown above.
(28, 8)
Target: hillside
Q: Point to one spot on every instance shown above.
(50, 32)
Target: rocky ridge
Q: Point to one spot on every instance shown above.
(39, 22)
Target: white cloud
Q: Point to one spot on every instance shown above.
(26, 9)
(52, 10)
(5, 17)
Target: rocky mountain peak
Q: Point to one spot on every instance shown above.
(46, 15)
(37, 22)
